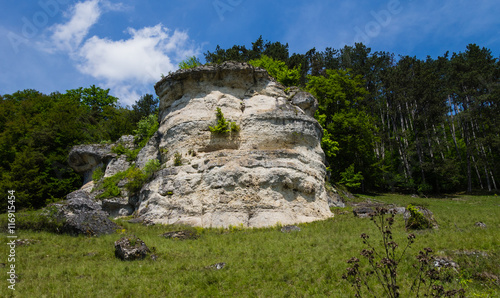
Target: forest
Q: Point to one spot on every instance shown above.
(397, 124)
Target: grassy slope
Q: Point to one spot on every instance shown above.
(260, 262)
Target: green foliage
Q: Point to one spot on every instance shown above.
(135, 180)
(350, 179)
(137, 177)
(131, 155)
(146, 127)
(177, 159)
(151, 167)
(109, 185)
(223, 127)
(275, 50)
(34, 145)
(98, 174)
(233, 127)
(119, 149)
(330, 147)
(424, 188)
(222, 124)
(145, 106)
(190, 62)
(279, 70)
(348, 134)
(94, 97)
(417, 220)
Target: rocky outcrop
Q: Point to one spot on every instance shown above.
(271, 171)
(85, 159)
(268, 170)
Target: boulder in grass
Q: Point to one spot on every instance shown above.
(288, 229)
(419, 218)
(79, 214)
(217, 266)
(363, 212)
(181, 235)
(131, 248)
(480, 224)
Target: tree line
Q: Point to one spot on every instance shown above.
(398, 123)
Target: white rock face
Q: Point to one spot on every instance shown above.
(271, 171)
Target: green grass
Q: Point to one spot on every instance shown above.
(259, 262)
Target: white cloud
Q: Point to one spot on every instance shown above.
(137, 61)
(69, 36)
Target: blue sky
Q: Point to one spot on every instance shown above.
(126, 45)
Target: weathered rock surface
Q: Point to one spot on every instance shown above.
(290, 228)
(363, 212)
(131, 248)
(217, 266)
(85, 159)
(181, 235)
(480, 224)
(81, 215)
(272, 171)
(150, 151)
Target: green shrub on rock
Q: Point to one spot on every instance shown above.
(223, 126)
(417, 220)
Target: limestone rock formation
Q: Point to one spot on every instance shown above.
(271, 170)
(85, 159)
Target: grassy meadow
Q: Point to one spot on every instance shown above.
(259, 262)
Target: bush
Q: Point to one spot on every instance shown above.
(350, 179)
(98, 174)
(109, 185)
(151, 167)
(177, 159)
(135, 176)
(136, 179)
(223, 126)
(146, 128)
(190, 62)
(119, 149)
(417, 220)
(278, 70)
(424, 188)
(130, 154)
